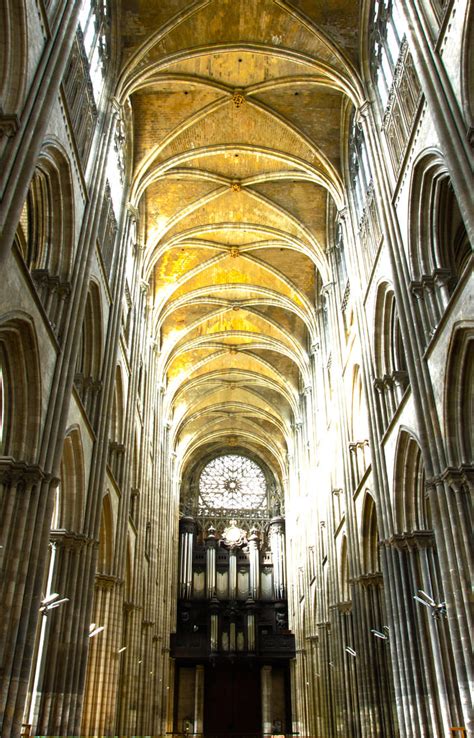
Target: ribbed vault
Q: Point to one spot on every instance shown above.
(238, 107)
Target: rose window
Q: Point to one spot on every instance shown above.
(232, 482)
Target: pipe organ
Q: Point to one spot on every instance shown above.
(232, 647)
(232, 587)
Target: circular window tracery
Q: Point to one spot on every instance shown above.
(232, 482)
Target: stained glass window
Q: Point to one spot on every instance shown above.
(232, 482)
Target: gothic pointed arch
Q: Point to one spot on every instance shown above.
(344, 573)
(106, 537)
(370, 536)
(45, 233)
(70, 514)
(116, 428)
(459, 397)
(391, 376)
(410, 494)
(467, 69)
(359, 444)
(21, 387)
(13, 63)
(89, 357)
(440, 251)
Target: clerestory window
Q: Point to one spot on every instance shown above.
(94, 24)
(388, 33)
(359, 167)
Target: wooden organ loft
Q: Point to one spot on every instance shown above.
(232, 647)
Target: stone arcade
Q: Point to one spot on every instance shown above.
(236, 367)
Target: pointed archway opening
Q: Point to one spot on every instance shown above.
(232, 645)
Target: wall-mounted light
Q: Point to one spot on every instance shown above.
(51, 601)
(93, 630)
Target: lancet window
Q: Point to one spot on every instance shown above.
(387, 38)
(94, 23)
(361, 182)
(2, 406)
(394, 76)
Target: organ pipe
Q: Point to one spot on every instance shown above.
(277, 545)
(186, 557)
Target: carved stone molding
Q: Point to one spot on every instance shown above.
(69, 540)
(14, 472)
(459, 477)
(374, 579)
(9, 124)
(414, 539)
(106, 582)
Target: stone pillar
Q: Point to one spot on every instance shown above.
(100, 701)
(211, 545)
(60, 702)
(266, 684)
(277, 545)
(186, 537)
(199, 700)
(254, 564)
(24, 498)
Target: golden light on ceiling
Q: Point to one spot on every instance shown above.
(256, 185)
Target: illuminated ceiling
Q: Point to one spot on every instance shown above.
(238, 112)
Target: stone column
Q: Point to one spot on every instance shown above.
(277, 545)
(186, 536)
(199, 700)
(65, 638)
(23, 498)
(100, 701)
(266, 684)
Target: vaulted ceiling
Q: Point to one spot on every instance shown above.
(238, 111)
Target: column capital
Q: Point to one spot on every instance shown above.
(67, 539)
(363, 111)
(342, 214)
(326, 288)
(106, 582)
(132, 210)
(459, 477)
(315, 348)
(9, 124)
(373, 579)
(15, 472)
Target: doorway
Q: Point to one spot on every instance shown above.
(232, 700)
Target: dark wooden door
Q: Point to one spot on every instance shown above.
(232, 700)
